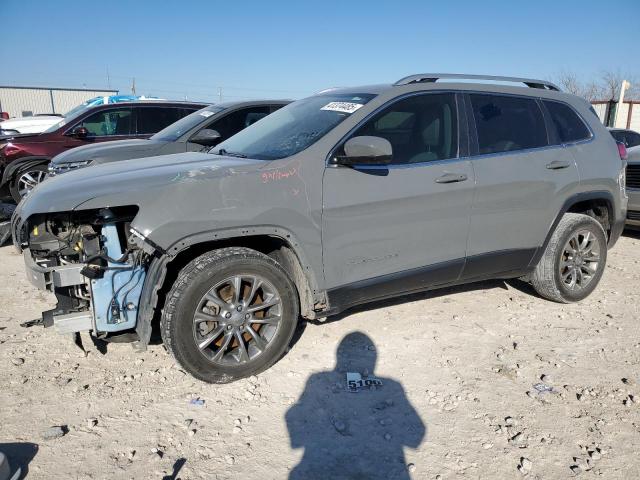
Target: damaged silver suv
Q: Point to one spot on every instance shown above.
(345, 197)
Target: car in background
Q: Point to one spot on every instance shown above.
(629, 138)
(633, 186)
(24, 159)
(40, 123)
(202, 129)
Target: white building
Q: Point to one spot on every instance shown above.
(27, 101)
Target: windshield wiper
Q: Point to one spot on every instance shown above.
(222, 151)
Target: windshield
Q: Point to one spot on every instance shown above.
(292, 128)
(179, 128)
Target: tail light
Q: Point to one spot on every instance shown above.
(4, 115)
(622, 151)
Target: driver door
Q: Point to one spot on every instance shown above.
(403, 226)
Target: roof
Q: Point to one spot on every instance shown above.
(242, 103)
(62, 88)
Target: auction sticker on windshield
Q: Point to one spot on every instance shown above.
(344, 107)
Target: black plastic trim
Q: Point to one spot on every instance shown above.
(496, 263)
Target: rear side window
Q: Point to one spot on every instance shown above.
(507, 123)
(569, 126)
(154, 119)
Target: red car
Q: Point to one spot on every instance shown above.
(24, 158)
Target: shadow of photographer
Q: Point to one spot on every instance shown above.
(353, 435)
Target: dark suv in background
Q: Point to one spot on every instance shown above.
(24, 158)
(202, 129)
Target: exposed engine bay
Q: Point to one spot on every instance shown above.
(92, 263)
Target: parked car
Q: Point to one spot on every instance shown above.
(24, 159)
(345, 197)
(204, 128)
(629, 138)
(633, 186)
(40, 123)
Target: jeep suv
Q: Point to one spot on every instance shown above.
(202, 129)
(24, 158)
(345, 197)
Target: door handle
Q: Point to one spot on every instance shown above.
(451, 178)
(558, 164)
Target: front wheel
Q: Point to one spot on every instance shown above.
(26, 180)
(230, 314)
(573, 261)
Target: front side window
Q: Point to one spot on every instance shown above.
(569, 126)
(182, 126)
(108, 123)
(421, 128)
(505, 123)
(232, 123)
(293, 128)
(154, 119)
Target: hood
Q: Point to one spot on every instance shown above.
(130, 182)
(30, 124)
(117, 150)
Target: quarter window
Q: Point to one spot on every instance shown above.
(421, 128)
(505, 123)
(569, 127)
(108, 123)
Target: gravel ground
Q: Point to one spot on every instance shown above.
(480, 381)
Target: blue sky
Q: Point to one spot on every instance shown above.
(294, 48)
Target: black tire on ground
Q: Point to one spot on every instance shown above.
(199, 277)
(14, 187)
(547, 277)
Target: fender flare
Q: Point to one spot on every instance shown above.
(20, 164)
(571, 201)
(158, 269)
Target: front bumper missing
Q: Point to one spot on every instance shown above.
(49, 278)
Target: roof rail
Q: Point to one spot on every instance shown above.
(434, 77)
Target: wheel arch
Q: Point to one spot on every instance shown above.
(166, 265)
(20, 164)
(596, 204)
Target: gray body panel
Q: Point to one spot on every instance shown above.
(345, 225)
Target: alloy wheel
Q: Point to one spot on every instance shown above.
(236, 319)
(580, 260)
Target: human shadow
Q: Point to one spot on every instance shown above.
(353, 435)
(19, 456)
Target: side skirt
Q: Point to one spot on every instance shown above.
(495, 265)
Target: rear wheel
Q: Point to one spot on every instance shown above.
(573, 261)
(26, 180)
(230, 314)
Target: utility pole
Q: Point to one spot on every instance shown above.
(108, 79)
(625, 85)
(219, 94)
(133, 86)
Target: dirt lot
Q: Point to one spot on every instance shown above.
(458, 399)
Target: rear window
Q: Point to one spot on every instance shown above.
(569, 126)
(507, 123)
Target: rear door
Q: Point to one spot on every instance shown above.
(410, 218)
(521, 182)
(151, 119)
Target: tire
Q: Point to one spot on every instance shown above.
(557, 275)
(202, 287)
(36, 173)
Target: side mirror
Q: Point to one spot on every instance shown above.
(80, 132)
(365, 150)
(206, 137)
